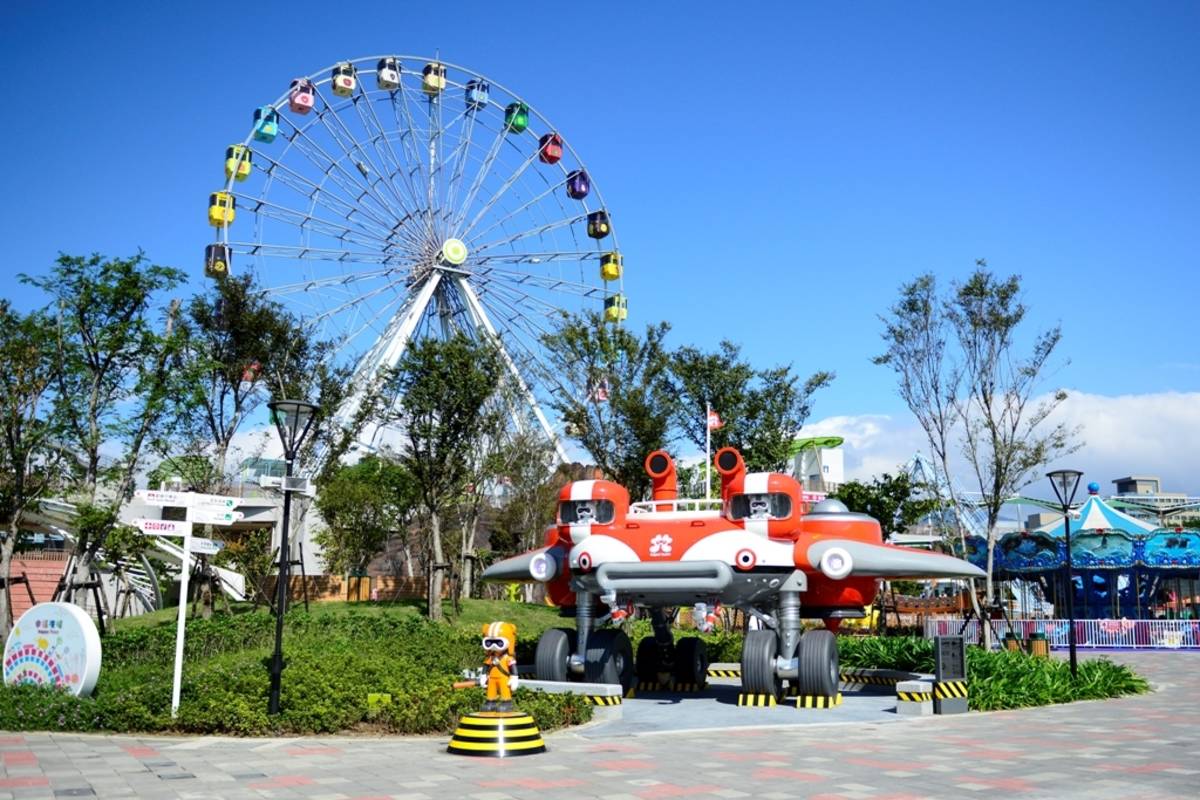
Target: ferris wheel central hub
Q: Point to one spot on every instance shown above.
(453, 253)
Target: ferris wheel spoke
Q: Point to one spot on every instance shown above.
(301, 252)
(480, 176)
(370, 118)
(518, 210)
(488, 274)
(504, 187)
(322, 196)
(305, 221)
(333, 281)
(525, 300)
(538, 231)
(409, 137)
(350, 146)
(359, 298)
(464, 148)
(532, 258)
(338, 172)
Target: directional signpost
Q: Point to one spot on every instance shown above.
(202, 509)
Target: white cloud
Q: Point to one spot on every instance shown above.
(1145, 434)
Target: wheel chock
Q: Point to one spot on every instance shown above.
(646, 686)
(496, 734)
(818, 700)
(758, 700)
(689, 687)
(724, 673)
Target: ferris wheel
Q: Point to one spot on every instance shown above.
(395, 197)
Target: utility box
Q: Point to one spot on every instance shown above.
(950, 671)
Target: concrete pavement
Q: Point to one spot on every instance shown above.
(1139, 747)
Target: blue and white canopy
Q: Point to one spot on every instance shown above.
(1097, 515)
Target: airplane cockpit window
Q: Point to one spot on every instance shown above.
(775, 505)
(583, 512)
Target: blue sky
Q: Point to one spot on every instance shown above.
(773, 173)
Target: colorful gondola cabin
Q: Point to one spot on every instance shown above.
(217, 260)
(433, 78)
(237, 162)
(612, 265)
(578, 185)
(301, 96)
(550, 148)
(221, 209)
(598, 226)
(266, 124)
(516, 117)
(387, 73)
(344, 79)
(616, 309)
(477, 94)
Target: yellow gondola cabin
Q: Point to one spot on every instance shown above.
(221, 209)
(237, 162)
(611, 266)
(217, 259)
(616, 309)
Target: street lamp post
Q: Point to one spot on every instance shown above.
(1065, 483)
(292, 419)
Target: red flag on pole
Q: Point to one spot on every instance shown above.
(714, 421)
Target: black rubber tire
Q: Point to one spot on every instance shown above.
(691, 661)
(609, 659)
(648, 662)
(758, 663)
(554, 647)
(818, 659)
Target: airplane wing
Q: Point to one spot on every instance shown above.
(841, 558)
(540, 565)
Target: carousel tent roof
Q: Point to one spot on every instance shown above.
(1097, 515)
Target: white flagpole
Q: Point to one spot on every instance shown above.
(707, 452)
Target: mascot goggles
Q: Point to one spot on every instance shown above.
(494, 643)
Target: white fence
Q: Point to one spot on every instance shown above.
(1168, 634)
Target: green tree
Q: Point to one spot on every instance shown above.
(614, 393)
(960, 371)
(107, 350)
(894, 500)
(363, 505)
(761, 410)
(31, 460)
(191, 470)
(444, 388)
(239, 347)
(530, 480)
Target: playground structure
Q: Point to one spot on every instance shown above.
(759, 548)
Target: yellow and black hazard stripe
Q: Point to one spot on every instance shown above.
(818, 700)
(496, 734)
(855, 676)
(759, 700)
(689, 687)
(946, 689)
(646, 686)
(724, 673)
(914, 697)
(602, 699)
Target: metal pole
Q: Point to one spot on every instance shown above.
(185, 571)
(707, 452)
(1070, 590)
(281, 593)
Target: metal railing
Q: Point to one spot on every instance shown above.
(1131, 634)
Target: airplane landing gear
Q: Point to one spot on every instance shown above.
(691, 661)
(817, 668)
(554, 650)
(759, 674)
(609, 658)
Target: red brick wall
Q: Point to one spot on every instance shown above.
(43, 571)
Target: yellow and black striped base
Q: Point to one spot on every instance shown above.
(688, 687)
(603, 699)
(496, 734)
(759, 700)
(647, 686)
(854, 676)
(724, 673)
(818, 700)
(914, 697)
(945, 689)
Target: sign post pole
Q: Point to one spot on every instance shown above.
(177, 680)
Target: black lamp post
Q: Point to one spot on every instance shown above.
(1065, 483)
(292, 419)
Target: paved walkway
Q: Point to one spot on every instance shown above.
(1141, 747)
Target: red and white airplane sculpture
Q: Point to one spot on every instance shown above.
(762, 551)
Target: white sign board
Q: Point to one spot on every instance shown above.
(163, 527)
(54, 644)
(207, 547)
(213, 516)
(154, 497)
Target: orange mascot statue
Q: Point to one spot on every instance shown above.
(500, 678)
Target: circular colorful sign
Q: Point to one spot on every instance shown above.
(54, 644)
